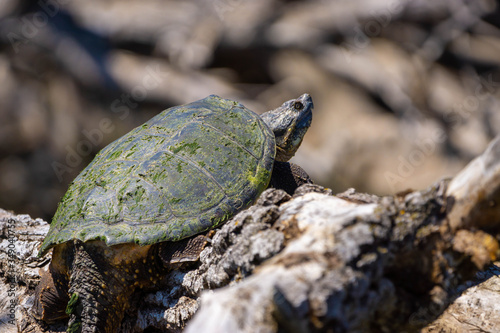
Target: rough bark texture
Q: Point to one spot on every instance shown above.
(316, 262)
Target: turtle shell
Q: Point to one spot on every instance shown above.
(188, 169)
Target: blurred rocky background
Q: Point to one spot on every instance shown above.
(405, 92)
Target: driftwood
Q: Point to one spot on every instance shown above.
(353, 262)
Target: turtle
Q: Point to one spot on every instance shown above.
(147, 200)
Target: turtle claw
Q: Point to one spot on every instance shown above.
(70, 308)
(186, 250)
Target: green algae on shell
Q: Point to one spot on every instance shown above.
(185, 171)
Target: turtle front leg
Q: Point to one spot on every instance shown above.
(98, 297)
(288, 177)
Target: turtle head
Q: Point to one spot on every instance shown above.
(289, 123)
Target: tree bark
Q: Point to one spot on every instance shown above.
(315, 262)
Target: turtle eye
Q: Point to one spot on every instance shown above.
(298, 105)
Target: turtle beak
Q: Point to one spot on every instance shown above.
(306, 100)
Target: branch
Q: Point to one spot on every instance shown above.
(317, 262)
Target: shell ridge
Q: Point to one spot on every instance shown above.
(230, 139)
(159, 190)
(166, 201)
(197, 167)
(187, 159)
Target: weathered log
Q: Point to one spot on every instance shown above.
(315, 262)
